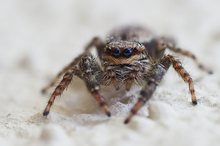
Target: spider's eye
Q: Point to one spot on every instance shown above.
(127, 52)
(116, 52)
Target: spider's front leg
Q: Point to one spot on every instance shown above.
(156, 77)
(89, 71)
(92, 75)
(156, 74)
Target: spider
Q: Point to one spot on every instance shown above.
(130, 55)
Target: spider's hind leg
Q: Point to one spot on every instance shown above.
(58, 76)
(184, 75)
(164, 42)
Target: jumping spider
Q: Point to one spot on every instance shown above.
(130, 55)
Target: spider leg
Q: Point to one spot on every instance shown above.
(192, 56)
(92, 76)
(95, 42)
(56, 79)
(157, 73)
(184, 74)
(164, 42)
(101, 102)
(89, 71)
(155, 78)
(60, 88)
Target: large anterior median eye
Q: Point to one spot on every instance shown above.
(116, 52)
(127, 52)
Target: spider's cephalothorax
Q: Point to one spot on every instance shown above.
(124, 63)
(129, 55)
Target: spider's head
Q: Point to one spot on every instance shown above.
(123, 52)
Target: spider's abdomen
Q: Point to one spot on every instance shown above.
(130, 33)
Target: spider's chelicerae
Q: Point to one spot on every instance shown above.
(130, 55)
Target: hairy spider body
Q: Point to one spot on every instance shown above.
(130, 55)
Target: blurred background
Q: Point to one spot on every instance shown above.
(46, 32)
(39, 37)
